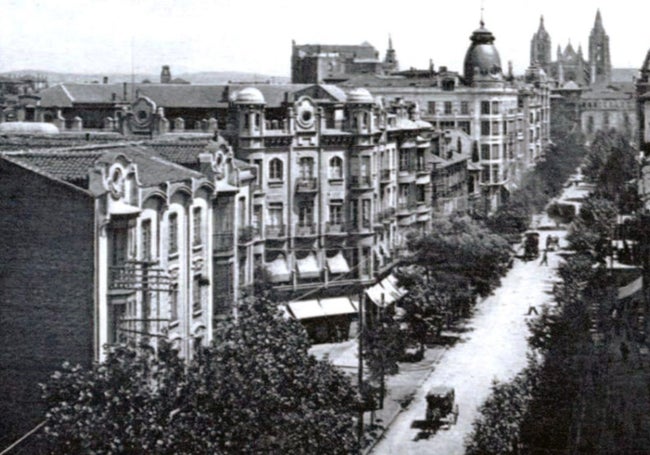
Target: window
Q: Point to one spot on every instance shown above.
(196, 293)
(146, 240)
(259, 172)
(404, 160)
(485, 151)
(431, 107)
(485, 128)
(275, 214)
(275, 169)
(495, 174)
(495, 128)
(336, 168)
(306, 168)
(420, 193)
(465, 126)
(464, 108)
(485, 174)
(336, 211)
(197, 219)
(403, 194)
(447, 107)
(485, 107)
(365, 210)
(590, 124)
(495, 151)
(306, 214)
(173, 233)
(495, 107)
(354, 213)
(173, 303)
(257, 216)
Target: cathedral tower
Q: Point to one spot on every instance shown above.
(599, 59)
(540, 48)
(390, 61)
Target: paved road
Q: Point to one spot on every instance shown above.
(495, 347)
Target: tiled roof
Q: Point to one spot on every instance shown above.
(69, 167)
(164, 95)
(73, 165)
(186, 154)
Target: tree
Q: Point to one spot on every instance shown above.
(464, 247)
(254, 390)
(593, 228)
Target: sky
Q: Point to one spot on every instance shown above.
(96, 36)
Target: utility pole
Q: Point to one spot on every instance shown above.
(360, 343)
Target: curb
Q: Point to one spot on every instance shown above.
(392, 419)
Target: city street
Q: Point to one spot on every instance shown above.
(493, 347)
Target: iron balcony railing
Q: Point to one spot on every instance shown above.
(303, 229)
(275, 231)
(306, 185)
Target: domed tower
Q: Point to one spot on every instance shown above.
(482, 61)
(359, 107)
(540, 48)
(249, 112)
(599, 59)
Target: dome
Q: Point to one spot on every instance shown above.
(28, 128)
(249, 95)
(482, 55)
(360, 95)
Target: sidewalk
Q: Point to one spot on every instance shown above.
(400, 388)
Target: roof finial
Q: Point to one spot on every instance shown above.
(390, 42)
(482, 10)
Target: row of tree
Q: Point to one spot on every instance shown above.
(254, 390)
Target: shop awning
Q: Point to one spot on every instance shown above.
(630, 289)
(278, 270)
(392, 279)
(392, 294)
(306, 309)
(377, 294)
(308, 267)
(334, 306)
(338, 264)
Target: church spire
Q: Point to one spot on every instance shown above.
(599, 20)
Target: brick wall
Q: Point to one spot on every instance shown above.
(46, 289)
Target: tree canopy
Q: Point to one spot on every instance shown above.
(254, 390)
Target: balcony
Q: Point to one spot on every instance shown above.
(223, 241)
(248, 233)
(422, 169)
(386, 175)
(306, 185)
(405, 208)
(305, 229)
(276, 231)
(360, 182)
(335, 228)
(138, 276)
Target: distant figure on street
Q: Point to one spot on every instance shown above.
(624, 351)
(544, 260)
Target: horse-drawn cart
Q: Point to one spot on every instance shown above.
(441, 408)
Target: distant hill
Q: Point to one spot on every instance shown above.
(205, 77)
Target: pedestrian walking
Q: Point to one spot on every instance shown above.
(544, 260)
(624, 351)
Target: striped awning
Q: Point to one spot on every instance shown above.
(308, 267)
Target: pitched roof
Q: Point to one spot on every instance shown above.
(164, 95)
(73, 165)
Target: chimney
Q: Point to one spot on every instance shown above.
(165, 75)
(105, 80)
(124, 91)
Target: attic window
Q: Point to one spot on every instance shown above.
(306, 116)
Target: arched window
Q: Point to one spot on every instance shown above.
(336, 168)
(275, 169)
